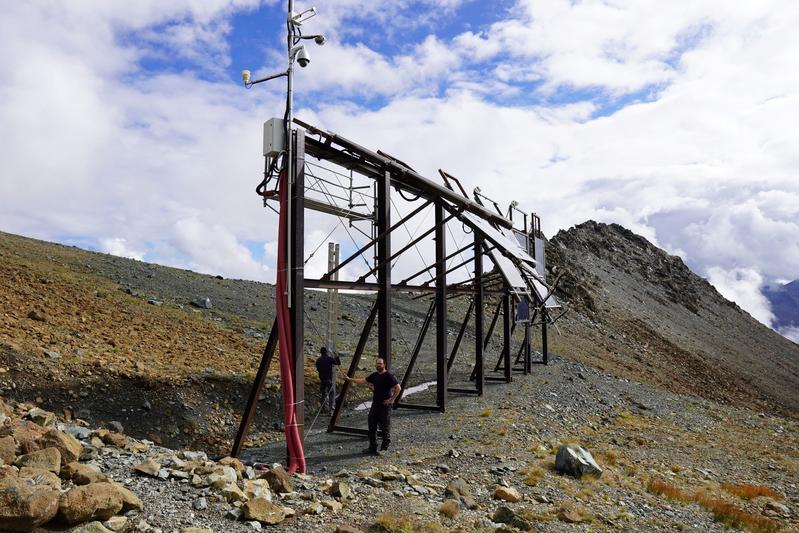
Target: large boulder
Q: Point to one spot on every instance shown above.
(264, 511)
(576, 461)
(46, 459)
(70, 447)
(96, 501)
(25, 505)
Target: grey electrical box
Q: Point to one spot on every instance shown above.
(274, 135)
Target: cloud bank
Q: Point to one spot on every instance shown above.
(123, 124)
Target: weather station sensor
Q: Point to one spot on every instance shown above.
(274, 136)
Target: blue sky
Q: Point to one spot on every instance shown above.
(126, 128)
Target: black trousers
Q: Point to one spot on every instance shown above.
(379, 416)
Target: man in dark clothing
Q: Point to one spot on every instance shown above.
(327, 379)
(386, 390)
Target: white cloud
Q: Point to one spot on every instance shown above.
(742, 286)
(119, 246)
(703, 165)
(790, 333)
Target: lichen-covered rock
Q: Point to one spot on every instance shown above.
(46, 459)
(25, 505)
(8, 450)
(40, 477)
(576, 461)
(96, 501)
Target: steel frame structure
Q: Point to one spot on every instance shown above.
(449, 205)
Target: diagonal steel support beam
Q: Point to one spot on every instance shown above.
(255, 391)
(402, 251)
(459, 338)
(450, 256)
(417, 348)
(356, 358)
(371, 243)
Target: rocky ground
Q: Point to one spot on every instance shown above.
(708, 441)
(669, 462)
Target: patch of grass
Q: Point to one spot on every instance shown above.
(725, 512)
(450, 508)
(391, 523)
(733, 516)
(747, 492)
(532, 475)
(485, 413)
(611, 457)
(671, 492)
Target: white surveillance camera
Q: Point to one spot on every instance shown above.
(302, 57)
(245, 76)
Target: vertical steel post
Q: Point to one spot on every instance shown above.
(507, 335)
(478, 313)
(528, 367)
(384, 267)
(544, 347)
(297, 276)
(441, 309)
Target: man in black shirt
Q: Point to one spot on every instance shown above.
(386, 391)
(327, 379)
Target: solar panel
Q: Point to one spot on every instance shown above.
(513, 277)
(499, 238)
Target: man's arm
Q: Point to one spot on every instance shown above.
(395, 390)
(357, 381)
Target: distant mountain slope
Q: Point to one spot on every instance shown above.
(784, 301)
(645, 314)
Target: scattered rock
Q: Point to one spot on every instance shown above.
(41, 417)
(202, 303)
(96, 501)
(116, 523)
(38, 316)
(458, 489)
(506, 515)
(279, 480)
(200, 504)
(148, 468)
(508, 494)
(576, 461)
(82, 474)
(92, 527)
(264, 511)
(340, 489)
(333, 505)
(314, 508)
(69, 447)
(574, 515)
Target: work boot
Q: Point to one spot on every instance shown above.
(370, 451)
(384, 448)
